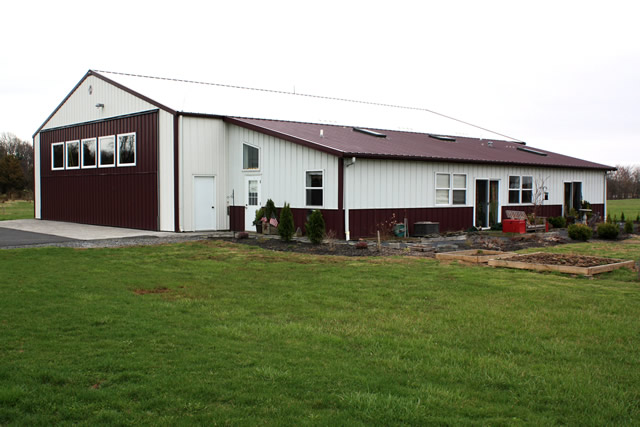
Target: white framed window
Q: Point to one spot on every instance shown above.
(106, 151)
(57, 156)
(520, 189)
(250, 157)
(314, 188)
(73, 154)
(127, 149)
(451, 189)
(89, 151)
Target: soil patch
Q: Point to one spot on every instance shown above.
(563, 259)
(160, 290)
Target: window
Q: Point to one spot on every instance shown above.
(106, 148)
(127, 149)
(314, 188)
(451, 189)
(250, 157)
(73, 154)
(89, 153)
(520, 189)
(57, 156)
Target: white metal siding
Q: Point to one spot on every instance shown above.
(81, 105)
(165, 172)
(36, 177)
(203, 152)
(283, 167)
(379, 184)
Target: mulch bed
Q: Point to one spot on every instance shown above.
(563, 259)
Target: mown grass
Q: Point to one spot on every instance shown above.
(630, 207)
(16, 209)
(230, 334)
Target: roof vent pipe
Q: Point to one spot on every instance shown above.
(321, 133)
(490, 143)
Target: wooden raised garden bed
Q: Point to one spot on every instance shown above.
(563, 263)
(476, 256)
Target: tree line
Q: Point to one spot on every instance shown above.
(624, 183)
(16, 166)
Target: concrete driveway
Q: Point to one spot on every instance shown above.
(27, 232)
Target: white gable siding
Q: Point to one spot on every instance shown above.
(203, 152)
(282, 167)
(379, 184)
(80, 107)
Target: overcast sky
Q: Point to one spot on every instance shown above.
(560, 75)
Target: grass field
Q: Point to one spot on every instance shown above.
(630, 207)
(212, 332)
(16, 209)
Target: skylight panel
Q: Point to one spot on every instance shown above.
(441, 137)
(532, 151)
(370, 132)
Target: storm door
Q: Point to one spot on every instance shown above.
(487, 203)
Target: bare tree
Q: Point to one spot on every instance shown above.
(11, 145)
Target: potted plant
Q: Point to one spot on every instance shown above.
(258, 220)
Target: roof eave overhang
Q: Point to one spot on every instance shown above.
(473, 161)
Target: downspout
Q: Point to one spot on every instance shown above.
(347, 233)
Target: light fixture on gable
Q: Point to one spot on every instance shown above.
(100, 105)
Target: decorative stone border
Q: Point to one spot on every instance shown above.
(475, 256)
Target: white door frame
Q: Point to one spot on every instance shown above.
(195, 203)
(250, 211)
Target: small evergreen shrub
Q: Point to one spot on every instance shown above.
(580, 232)
(558, 221)
(628, 227)
(270, 209)
(615, 219)
(608, 218)
(497, 226)
(622, 217)
(608, 231)
(286, 226)
(638, 218)
(315, 227)
(259, 215)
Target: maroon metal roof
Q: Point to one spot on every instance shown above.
(343, 141)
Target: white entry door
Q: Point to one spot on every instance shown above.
(204, 192)
(252, 200)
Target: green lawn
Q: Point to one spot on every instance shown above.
(231, 334)
(16, 209)
(630, 207)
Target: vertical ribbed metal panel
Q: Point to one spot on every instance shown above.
(118, 196)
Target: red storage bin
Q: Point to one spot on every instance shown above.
(514, 226)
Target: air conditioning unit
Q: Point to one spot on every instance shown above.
(425, 228)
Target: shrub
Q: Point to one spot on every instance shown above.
(608, 218)
(286, 226)
(638, 218)
(622, 217)
(579, 232)
(270, 209)
(558, 221)
(259, 215)
(497, 226)
(315, 227)
(615, 219)
(608, 231)
(628, 227)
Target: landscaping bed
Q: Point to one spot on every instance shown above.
(563, 263)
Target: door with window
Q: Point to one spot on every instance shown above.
(204, 191)
(572, 196)
(252, 201)
(487, 202)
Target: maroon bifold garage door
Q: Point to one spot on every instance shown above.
(102, 173)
